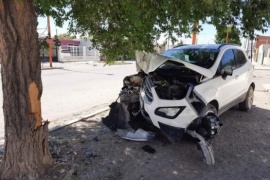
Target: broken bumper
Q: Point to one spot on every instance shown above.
(153, 110)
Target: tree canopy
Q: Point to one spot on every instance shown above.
(120, 27)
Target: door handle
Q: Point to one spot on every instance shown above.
(237, 76)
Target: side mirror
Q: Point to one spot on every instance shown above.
(227, 71)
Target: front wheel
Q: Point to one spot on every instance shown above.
(208, 109)
(247, 103)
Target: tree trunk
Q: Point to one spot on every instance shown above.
(26, 138)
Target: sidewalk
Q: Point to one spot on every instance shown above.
(63, 65)
(262, 77)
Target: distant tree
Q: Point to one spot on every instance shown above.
(233, 36)
(66, 36)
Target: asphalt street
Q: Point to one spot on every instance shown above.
(74, 87)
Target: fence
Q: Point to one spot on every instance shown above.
(77, 53)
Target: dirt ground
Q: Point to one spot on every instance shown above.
(88, 150)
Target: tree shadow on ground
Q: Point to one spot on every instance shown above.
(89, 150)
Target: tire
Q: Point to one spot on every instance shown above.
(247, 103)
(202, 127)
(208, 109)
(204, 110)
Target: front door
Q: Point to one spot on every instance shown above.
(229, 86)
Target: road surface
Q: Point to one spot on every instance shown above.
(77, 87)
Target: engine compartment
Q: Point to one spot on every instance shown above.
(169, 83)
(173, 84)
(169, 88)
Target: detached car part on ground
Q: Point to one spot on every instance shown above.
(184, 90)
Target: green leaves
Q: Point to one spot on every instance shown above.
(43, 44)
(58, 9)
(119, 27)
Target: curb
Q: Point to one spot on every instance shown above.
(65, 122)
(51, 68)
(54, 125)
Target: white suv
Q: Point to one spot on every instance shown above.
(185, 89)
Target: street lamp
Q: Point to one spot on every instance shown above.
(50, 40)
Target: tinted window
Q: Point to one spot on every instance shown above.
(228, 59)
(199, 56)
(240, 58)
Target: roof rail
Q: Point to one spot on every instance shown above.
(180, 45)
(224, 44)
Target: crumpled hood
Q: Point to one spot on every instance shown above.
(149, 62)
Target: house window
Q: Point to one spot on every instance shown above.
(73, 49)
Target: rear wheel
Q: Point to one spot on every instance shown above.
(247, 103)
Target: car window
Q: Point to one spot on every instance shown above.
(240, 58)
(198, 56)
(227, 60)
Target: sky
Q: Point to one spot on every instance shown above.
(206, 36)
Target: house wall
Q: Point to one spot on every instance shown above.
(266, 60)
(263, 54)
(66, 42)
(90, 51)
(262, 40)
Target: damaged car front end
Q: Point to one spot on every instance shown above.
(164, 89)
(176, 92)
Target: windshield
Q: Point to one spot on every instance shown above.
(198, 56)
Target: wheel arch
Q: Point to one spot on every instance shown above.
(253, 85)
(215, 103)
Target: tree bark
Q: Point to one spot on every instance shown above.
(26, 137)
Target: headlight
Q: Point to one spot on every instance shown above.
(169, 112)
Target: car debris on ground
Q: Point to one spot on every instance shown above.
(149, 149)
(138, 135)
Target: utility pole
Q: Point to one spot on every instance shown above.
(251, 49)
(168, 47)
(194, 35)
(57, 47)
(227, 34)
(228, 29)
(50, 40)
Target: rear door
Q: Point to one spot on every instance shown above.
(241, 71)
